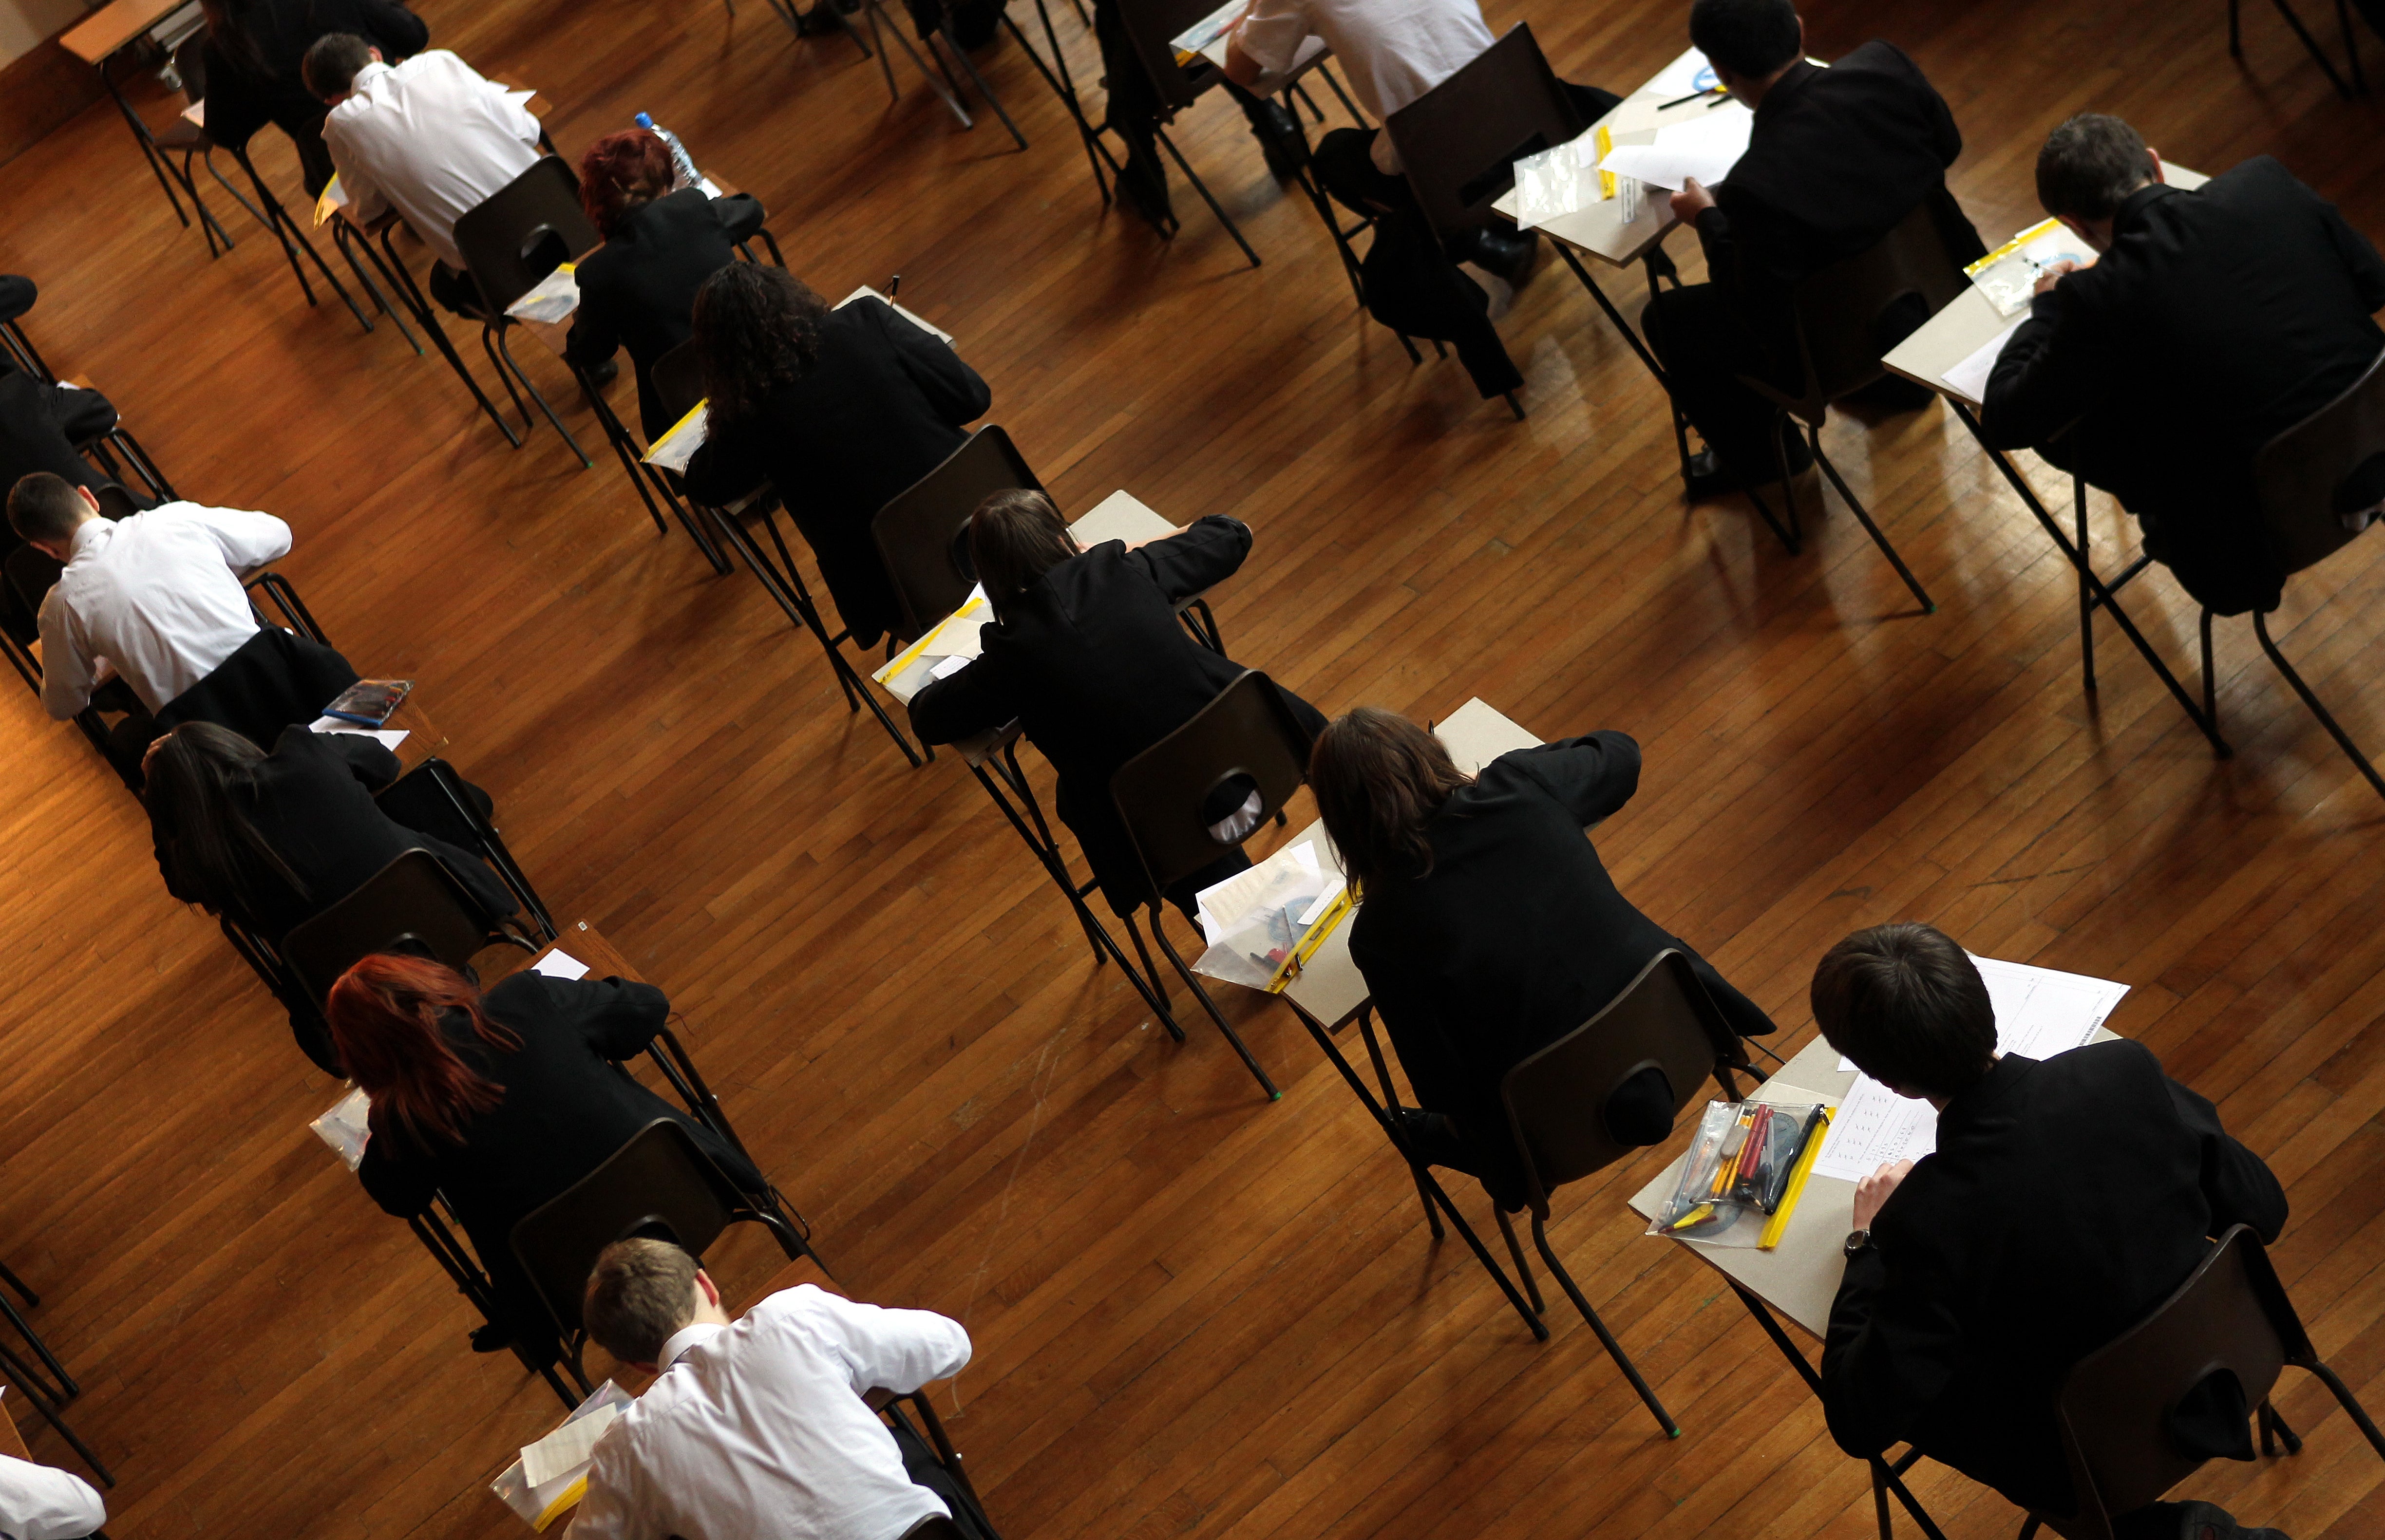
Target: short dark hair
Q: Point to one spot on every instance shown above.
(1014, 537)
(1909, 1007)
(2090, 165)
(45, 508)
(638, 1297)
(331, 62)
(1379, 780)
(1752, 38)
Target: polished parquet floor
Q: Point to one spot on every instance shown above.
(1196, 1315)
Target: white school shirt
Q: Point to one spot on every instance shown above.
(758, 1431)
(37, 1503)
(1394, 51)
(432, 139)
(158, 596)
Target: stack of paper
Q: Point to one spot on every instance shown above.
(552, 1474)
(1969, 378)
(561, 964)
(2008, 275)
(1705, 148)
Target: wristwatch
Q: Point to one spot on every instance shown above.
(1856, 1241)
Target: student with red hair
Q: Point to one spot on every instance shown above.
(638, 288)
(499, 1102)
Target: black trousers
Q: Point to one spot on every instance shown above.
(920, 1462)
(1691, 332)
(455, 291)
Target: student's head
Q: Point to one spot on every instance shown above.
(1908, 1006)
(641, 1294)
(622, 171)
(1379, 780)
(1747, 41)
(1014, 537)
(199, 783)
(757, 328)
(333, 62)
(2089, 167)
(385, 1015)
(45, 510)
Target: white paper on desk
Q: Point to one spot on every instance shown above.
(2040, 1012)
(711, 190)
(1705, 147)
(551, 299)
(344, 1128)
(1969, 378)
(565, 1447)
(1311, 49)
(681, 440)
(1688, 73)
(2008, 275)
(561, 964)
(390, 737)
(939, 334)
(949, 668)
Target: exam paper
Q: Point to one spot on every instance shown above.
(939, 334)
(567, 1447)
(196, 115)
(561, 964)
(1969, 378)
(1223, 907)
(390, 737)
(551, 299)
(949, 668)
(1704, 148)
(678, 445)
(2040, 1012)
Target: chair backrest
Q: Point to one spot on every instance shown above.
(1556, 1097)
(660, 1184)
(1247, 730)
(677, 379)
(524, 231)
(115, 502)
(1152, 27)
(2115, 1404)
(1839, 309)
(2296, 474)
(1459, 141)
(414, 897)
(922, 533)
(935, 1526)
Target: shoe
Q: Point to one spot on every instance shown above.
(605, 373)
(1430, 1135)
(2202, 1521)
(1711, 477)
(491, 1339)
(1892, 393)
(1278, 133)
(1511, 256)
(1146, 193)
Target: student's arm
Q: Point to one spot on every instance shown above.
(1891, 1350)
(366, 202)
(972, 700)
(595, 334)
(884, 1350)
(1266, 40)
(729, 462)
(247, 541)
(612, 1510)
(83, 415)
(402, 1187)
(514, 117)
(2238, 1184)
(952, 388)
(2052, 373)
(618, 1017)
(2359, 256)
(40, 1503)
(1594, 776)
(740, 216)
(66, 677)
(1200, 556)
(359, 753)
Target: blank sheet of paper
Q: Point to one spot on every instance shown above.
(561, 964)
(567, 1447)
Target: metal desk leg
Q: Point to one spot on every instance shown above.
(285, 230)
(1097, 153)
(2102, 595)
(143, 139)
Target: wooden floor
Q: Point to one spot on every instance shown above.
(1196, 1315)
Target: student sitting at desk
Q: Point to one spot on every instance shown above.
(1836, 160)
(2065, 1200)
(428, 137)
(1086, 654)
(498, 1102)
(40, 425)
(2212, 321)
(40, 1503)
(638, 288)
(254, 51)
(1486, 926)
(761, 1428)
(838, 409)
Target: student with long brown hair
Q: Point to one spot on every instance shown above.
(1488, 927)
(499, 1102)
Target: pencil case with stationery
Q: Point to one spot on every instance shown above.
(369, 702)
(1744, 1167)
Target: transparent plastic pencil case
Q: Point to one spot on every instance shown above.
(1738, 1171)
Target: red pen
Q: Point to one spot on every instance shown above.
(1750, 1155)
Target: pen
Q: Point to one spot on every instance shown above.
(893, 286)
(1685, 101)
(1750, 1155)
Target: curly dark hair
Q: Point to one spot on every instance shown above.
(757, 328)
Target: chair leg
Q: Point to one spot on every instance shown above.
(506, 354)
(951, 102)
(2351, 48)
(2273, 1428)
(1523, 1267)
(2087, 597)
(33, 1300)
(53, 1412)
(1880, 1500)
(1607, 1338)
(1516, 406)
(1790, 533)
(2326, 719)
(2317, 54)
(1929, 606)
(1193, 982)
(1159, 985)
(2348, 1401)
(983, 90)
(2210, 674)
(2028, 1527)
(1202, 188)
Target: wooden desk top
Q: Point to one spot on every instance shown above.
(1600, 231)
(423, 737)
(13, 1443)
(585, 943)
(103, 32)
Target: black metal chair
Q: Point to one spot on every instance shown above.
(510, 241)
(412, 903)
(936, 1526)
(49, 1388)
(1246, 731)
(432, 798)
(679, 385)
(659, 1184)
(2359, 84)
(183, 138)
(2302, 479)
(2116, 1409)
(1662, 1020)
(922, 532)
(1151, 27)
(929, 17)
(1839, 312)
(654, 486)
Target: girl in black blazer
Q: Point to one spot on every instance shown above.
(500, 1102)
(1486, 926)
(252, 57)
(1086, 652)
(638, 289)
(839, 410)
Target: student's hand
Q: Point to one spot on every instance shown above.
(2052, 275)
(1873, 1191)
(1692, 201)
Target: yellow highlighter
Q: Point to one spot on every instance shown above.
(1778, 1223)
(1603, 140)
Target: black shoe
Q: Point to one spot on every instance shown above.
(1711, 477)
(1278, 133)
(1509, 256)
(2201, 1521)
(1146, 192)
(491, 1339)
(1894, 392)
(605, 373)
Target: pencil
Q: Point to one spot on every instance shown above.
(1779, 1223)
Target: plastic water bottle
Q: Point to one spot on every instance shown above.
(688, 175)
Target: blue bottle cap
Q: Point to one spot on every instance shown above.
(644, 120)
